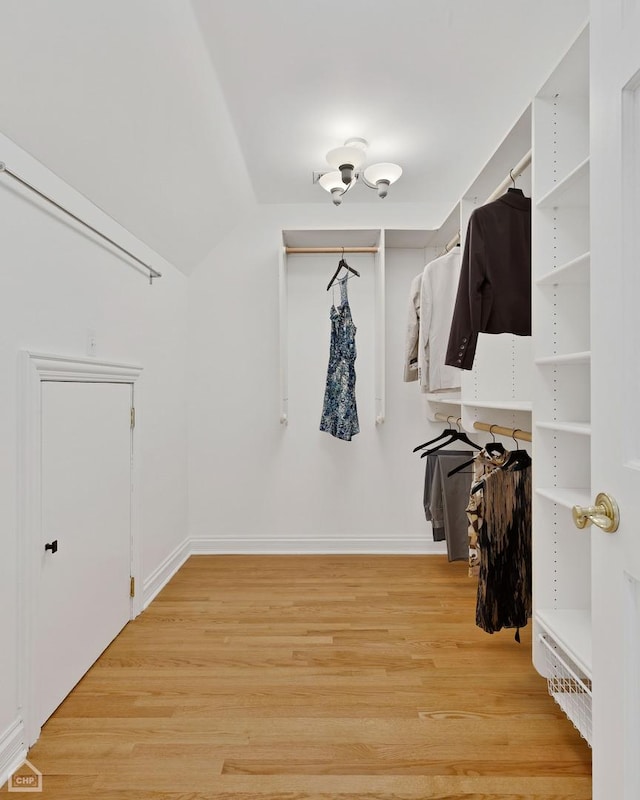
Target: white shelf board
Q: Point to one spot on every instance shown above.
(581, 428)
(567, 358)
(451, 398)
(572, 190)
(338, 237)
(568, 498)
(571, 629)
(505, 405)
(571, 74)
(411, 238)
(576, 271)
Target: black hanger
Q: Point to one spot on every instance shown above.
(518, 459)
(460, 467)
(492, 448)
(342, 263)
(455, 436)
(446, 432)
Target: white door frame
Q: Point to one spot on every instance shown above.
(34, 369)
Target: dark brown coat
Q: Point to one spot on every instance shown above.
(494, 291)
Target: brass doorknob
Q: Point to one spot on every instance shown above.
(604, 514)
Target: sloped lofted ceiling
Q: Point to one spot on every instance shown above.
(175, 116)
(118, 97)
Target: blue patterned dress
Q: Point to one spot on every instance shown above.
(339, 414)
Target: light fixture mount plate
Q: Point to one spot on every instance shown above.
(357, 141)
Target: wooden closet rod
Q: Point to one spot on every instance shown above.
(331, 250)
(516, 172)
(513, 433)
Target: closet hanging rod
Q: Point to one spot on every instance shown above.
(345, 250)
(513, 433)
(152, 272)
(516, 172)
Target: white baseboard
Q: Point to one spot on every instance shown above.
(318, 546)
(13, 750)
(161, 576)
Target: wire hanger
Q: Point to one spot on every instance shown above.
(513, 188)
(454, 436)
(342, 263)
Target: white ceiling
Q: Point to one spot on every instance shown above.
(432, 84)
(175, 116)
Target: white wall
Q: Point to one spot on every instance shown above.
(257, 485)
(119, 98)
(56, 284)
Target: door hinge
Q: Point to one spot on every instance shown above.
(132, 590)
(133, 417)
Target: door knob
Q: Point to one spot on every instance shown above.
(53, 546)
(604, 514)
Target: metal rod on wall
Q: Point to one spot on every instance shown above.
(152, 272)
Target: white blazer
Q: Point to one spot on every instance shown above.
(413, 332)
(438, 290)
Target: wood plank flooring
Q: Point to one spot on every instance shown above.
(313, 678)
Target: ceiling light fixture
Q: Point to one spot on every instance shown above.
(346, 161)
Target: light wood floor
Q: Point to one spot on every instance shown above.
(300, 678)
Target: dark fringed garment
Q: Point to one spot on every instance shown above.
(504, 539)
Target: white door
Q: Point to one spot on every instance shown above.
(86, 524)
(615, 379)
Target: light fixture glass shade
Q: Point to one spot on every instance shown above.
(382, 172)
(346, 155)
(331, 180)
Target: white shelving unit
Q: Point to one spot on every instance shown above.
(543, 383)
(498, 389)
(562, 384)
(500, 405)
